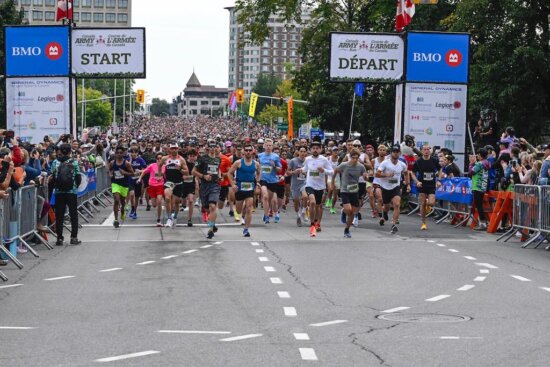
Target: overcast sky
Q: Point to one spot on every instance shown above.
(182, 34)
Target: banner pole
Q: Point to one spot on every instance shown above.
(352, 110)
(471, 140)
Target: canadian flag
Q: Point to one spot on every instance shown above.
(405, 12)
(64, 10)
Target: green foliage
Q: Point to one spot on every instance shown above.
(265, 86)
(160, 107)
(107, 88)
(98, 112)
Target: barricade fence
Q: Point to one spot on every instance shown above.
(21, 210)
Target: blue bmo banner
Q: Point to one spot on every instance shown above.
(438, 57)
(455, 190)
(37, 51)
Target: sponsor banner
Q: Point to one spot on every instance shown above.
(253, 102)
(455, 190)
(37, 107)
(435, 114)
(290, 118)
(438, 57)
(357, 57)
(37, 51)
(116, 52)
(398, 118)
(314, 132)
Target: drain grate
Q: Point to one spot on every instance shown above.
(423, 317)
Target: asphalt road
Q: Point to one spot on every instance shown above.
(144, 296)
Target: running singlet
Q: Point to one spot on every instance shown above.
(118, 178)
(173, 170)
(269, 172)
(245, 176)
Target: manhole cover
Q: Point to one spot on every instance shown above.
(423, 317)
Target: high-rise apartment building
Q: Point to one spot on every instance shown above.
(280, 49)
(86, 13)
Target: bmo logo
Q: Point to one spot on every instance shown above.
(53, 51)
(26, 51)
(426, 57)
(453, 58)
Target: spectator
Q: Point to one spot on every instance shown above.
(479, 170)
(545, 170)
(488, 134)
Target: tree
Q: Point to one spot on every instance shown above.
(159, 107)
(98, 112)
(265, 86)
(107, 87)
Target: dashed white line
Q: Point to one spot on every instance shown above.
(263, 259)
(283, 294)
(242, 337)
(467, 287)
(470, 258)
(254, 243)
(218, 243)
(484, 271)
(396, 309)
(16, 328)
(208, 246)
(10, 286)
(479, 279)
(189, 251)
(438, 298)
(169, 257)
(327, 323)
(109, 270)
(308, 354)
(545, 289)
(520, 278)
(194, 332)
(276, 280)
(485, 265)
(430, 241)
(269, 269)
(146, 262)
(301, 336)
(59, 278)
(459, 337)
(259, 251)
(453, 250)
(449, 337)
(290, 311)
(127, 356)
(441, 245)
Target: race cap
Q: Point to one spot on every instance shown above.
(356, 142)
(133, 142)
(334, 149)
(260, 141)
(546, 146)
(173, 145)
(114, 141)
(396, 148)
(228, 143)
(212, 144)
(489, 147)
(315, 142)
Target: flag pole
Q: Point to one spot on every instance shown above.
(352, 110)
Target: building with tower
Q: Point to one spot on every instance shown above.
(198, 99)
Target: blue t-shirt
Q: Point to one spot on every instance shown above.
(269, 173)
(138, 163)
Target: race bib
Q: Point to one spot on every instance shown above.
(428, 176)
(247, 186)
(212, 169)
(301, 176)
(267, 169)
(118, 175)
(353, 188)
(169, 185)
(393, 181)
(313, 173)
(188, 179)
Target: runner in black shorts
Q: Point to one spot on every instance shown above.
(176, 168)
(425, 172)
(189, 186)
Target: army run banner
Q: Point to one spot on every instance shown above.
(36, 107)
(366, 57)
(108, 52)
(455, 190)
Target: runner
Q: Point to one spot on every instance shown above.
(389, 172)
(155, 187)
(280, 186)
(382, 149)
(207, 170)
(224, 183)
(316, 167)
(364, 160)
(369, 149)
(297, 185)
(246, 172)
(333, 182)
(351, 171)
(121, 171)
(424, 174)
(271, 166)
(138, 165)
(175, 168)
(189, 186)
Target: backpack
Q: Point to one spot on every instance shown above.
(65, 176)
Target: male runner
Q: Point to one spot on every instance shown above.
(138, 164)
(189, 185)
(297, 184)
(121, 171)
(333, 182)
(270, 165)
(425, 170)
(176, 167)
(224, 182)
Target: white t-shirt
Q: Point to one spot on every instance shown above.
(314, 178)
(390, 183)
(377, 164)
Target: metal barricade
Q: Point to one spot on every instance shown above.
(9, 213)
(28, 218)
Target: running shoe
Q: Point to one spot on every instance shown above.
(328, 203)
(312, 231)
(205, 216)
(307, 213)
(355, 222)
(347, 233)
(215, 229)
(174, 223)
(122, 215)
(423, 227)
(277, 218)
(21, 249)
(242, 221)
(246, 233)
(237, 217)
(343, 216)
(359, 216)
(386, 216)
(266, 219)
(210, 234)
(148, 208)
(298, 221)
(394, 229)
(116, 224)
(159, 224)
(231, 213)
(318, 226)
(168, 223)
(189, 223)
(382, 221)
(332, 211)
(374, 214)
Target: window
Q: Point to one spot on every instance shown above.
(86, 3)
(194, 111)
(110, 17)
(99, 3)
(37, 15)
(76, 16)
(192, 103)
(123, 4)
(25, 2)
(38, 2)
(49, 15)
(110, 3)
(123, 18)
(50, 2)
(26, 14)
(86, 17)
(204, 103)
(98, 17)
(76, 3)
(215, 103)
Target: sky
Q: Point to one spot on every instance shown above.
(182, 35)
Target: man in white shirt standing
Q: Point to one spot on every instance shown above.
(390, 173)
(316, 167)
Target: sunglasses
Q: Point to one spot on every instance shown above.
(358, 146)
(247, 150)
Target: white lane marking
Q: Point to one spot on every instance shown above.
(10, 286)
(218, 243)
(276, 280)
(16, 328)
(301, 336)
(283, 294)
(438, 298)
(126, 356)
(391, 310)
(242, 337)
(290, 311)
(109, 221)
(109, 270)
(59, 278)
(459, 337)
(146, 262)
(431, 241)
(485, 265)
(193, 332)
(449, 337)
(327, 323)
(470, 258)
(484, 271)
(259, 251)
(263, 259)
(269, 269)
(206, 246)
(479, 279)
(254, 243)
(441, 245)
(520, 278)
(308, 354)
(189, 251)
(169, 257)
(453, 250)
(545, 289)
(467, 287)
